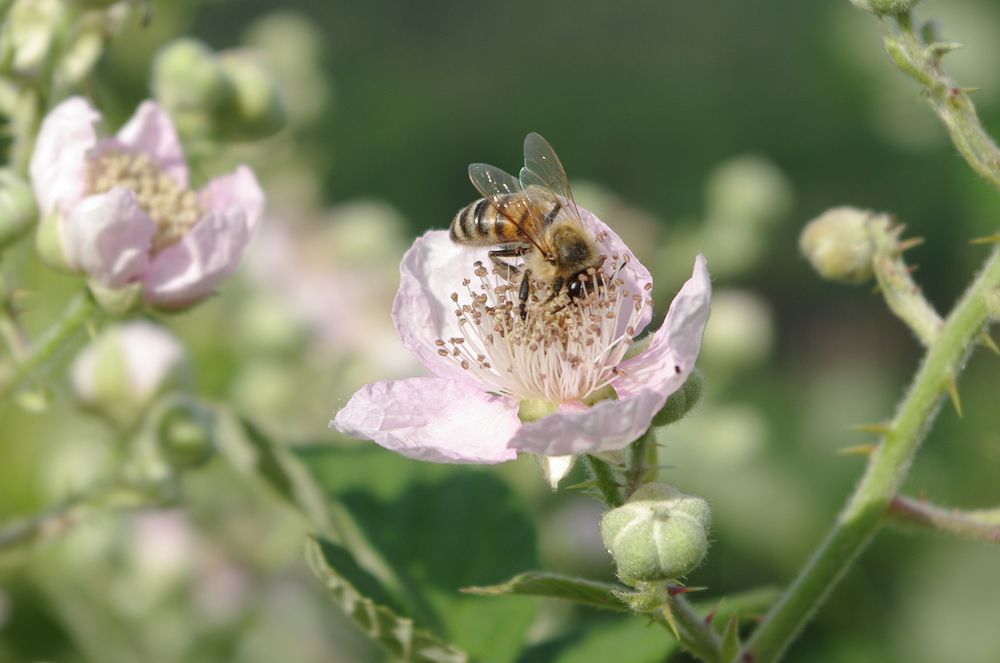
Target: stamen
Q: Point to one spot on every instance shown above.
(174, 209)
(561, 351)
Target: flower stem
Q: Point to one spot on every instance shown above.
(639, 462)
(696, 635)
(605, 480)
(901, 293)
(887, 467)
(981, 525)
(12, 374)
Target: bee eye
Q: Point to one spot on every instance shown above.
(575, 289)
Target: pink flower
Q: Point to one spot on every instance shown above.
(462, 323)
(124, 213)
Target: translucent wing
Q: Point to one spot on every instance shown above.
(543, 175)
(495, 185)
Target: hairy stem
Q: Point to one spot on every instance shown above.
(901, 293)
(887, 467)
(605, 480)
(13, 373)
(697, 636)
(981, 525)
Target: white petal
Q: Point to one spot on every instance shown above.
(432, 419)
(109, 236)
(59, 164)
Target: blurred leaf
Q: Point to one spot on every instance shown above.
(551, 585)
(441, 528)
(329, 563)
(731, 645)
(625, 640)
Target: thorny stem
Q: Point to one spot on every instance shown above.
(639, 462)
(980, 525)
(697, 636)
(943, 360)
(13, 373)
(887, 467)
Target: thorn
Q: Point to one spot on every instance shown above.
(953, 393)
(857, 450)
(989, 239)
(674, 590)
(987, 340)
(879, 428)
(669, 616)
(939, 48)
(912, 268)
(908, 244)
(714, 611)
(968, 90)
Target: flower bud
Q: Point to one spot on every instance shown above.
(681, 401)
(185, 433)
(121, 372)
(748, 190)
(17, 207)
(740, 332)
(49, 243)
(839, 244)
(885, 6)
(659, 534)
(30, 29)
(256, 109)
(187, 76)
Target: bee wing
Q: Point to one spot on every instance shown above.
(543, 177)
(494, 185)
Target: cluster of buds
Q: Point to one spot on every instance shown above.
(230, 95)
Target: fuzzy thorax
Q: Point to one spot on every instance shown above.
(562, 351)
(173, 208)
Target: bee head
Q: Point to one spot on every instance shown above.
(571, 247)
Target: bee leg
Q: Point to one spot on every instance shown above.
(512, 270)
(523, 293)
(557, 286)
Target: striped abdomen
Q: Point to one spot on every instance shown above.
(482, 223)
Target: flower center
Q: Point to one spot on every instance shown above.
(174, 209)
(561, 351)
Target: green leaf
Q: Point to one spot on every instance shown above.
(551, 585)
(440, 528)
(397, 634)
(622, 640)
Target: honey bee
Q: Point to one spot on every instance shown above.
(532, 217)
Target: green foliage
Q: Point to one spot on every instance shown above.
(555, 586)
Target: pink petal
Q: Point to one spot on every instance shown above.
(59, 164)
(635, 275)
(237, 190)
(422, 311)
(432, 419)
(189, 270)
(151, 131)
(671, 354)
(109, 236)
(607, 426)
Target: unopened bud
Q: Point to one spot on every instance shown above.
(256, 109)
(885, 6)
(121, 372)
(839, 244)
(185, 433)
(30, 29)
(17, 207)
(748, 190)
(187, 76)
(681, 401)
(659, 534)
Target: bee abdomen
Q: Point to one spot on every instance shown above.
(475, 224)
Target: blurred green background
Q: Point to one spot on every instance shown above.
(692, 127)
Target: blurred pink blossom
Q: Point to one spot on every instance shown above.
(125, 212)
(485, 361)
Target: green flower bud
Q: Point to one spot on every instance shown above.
(659, 534)
(681, 401)
(885, 6)
(185, 432)
(839, 244)
(748, 190)
(256, 110)
(30, 29)
(187, 76)
(17, 207)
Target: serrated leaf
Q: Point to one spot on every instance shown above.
(394, 632)
(551, 585)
